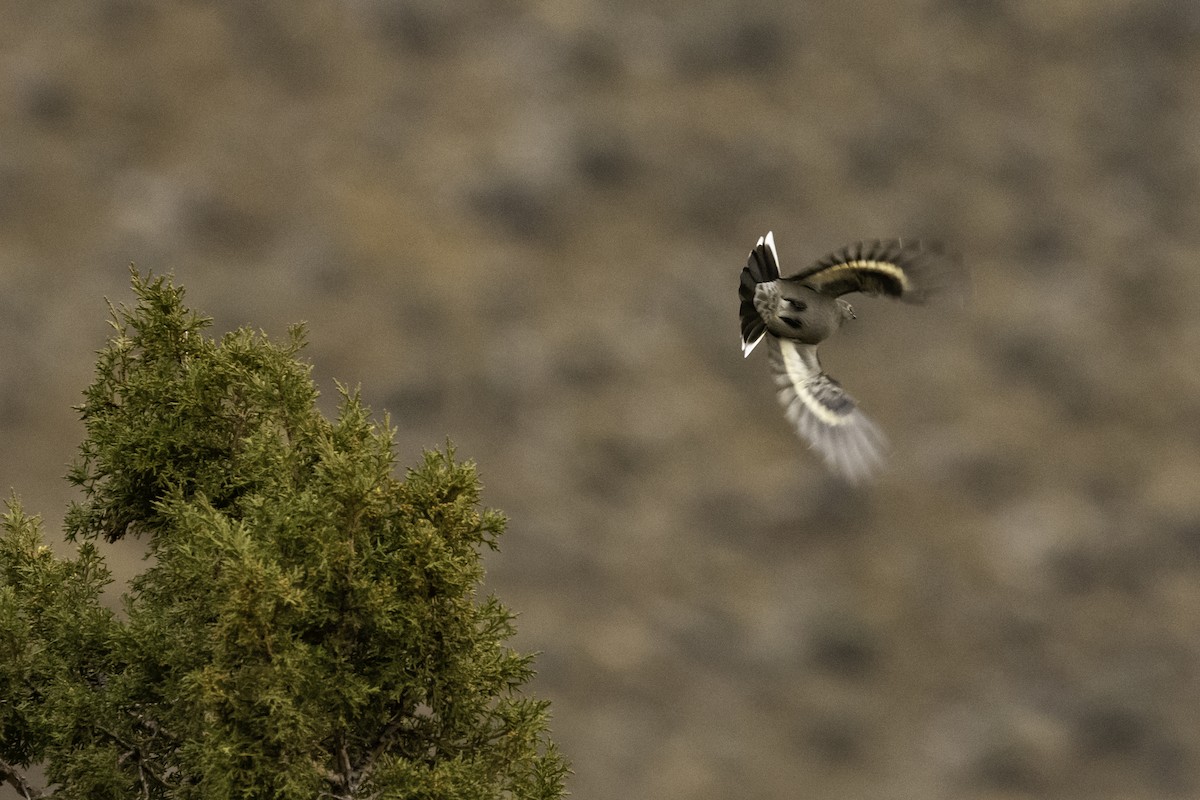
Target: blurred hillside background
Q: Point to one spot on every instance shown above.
(520, 224)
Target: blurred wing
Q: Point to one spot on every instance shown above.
(911, 271)
(822, 412)
(762, 266)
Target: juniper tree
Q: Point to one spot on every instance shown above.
(308, 624)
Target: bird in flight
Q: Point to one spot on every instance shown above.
(796, 313)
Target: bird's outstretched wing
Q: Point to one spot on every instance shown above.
(909, 270)
(761, 267)
(823, 414)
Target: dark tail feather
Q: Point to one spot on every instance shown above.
(752, 326)
(762, 266)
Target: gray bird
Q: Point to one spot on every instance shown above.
(796, 313)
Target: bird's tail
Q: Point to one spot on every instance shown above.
(761, 267)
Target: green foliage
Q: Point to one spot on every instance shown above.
(308, 625)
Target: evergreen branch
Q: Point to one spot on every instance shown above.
(144, 782)
(347, 770)
(14, 778)
(154, 728)
(382, 743)
(143, 765)
(344, 776)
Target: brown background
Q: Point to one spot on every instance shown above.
(520, 224)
